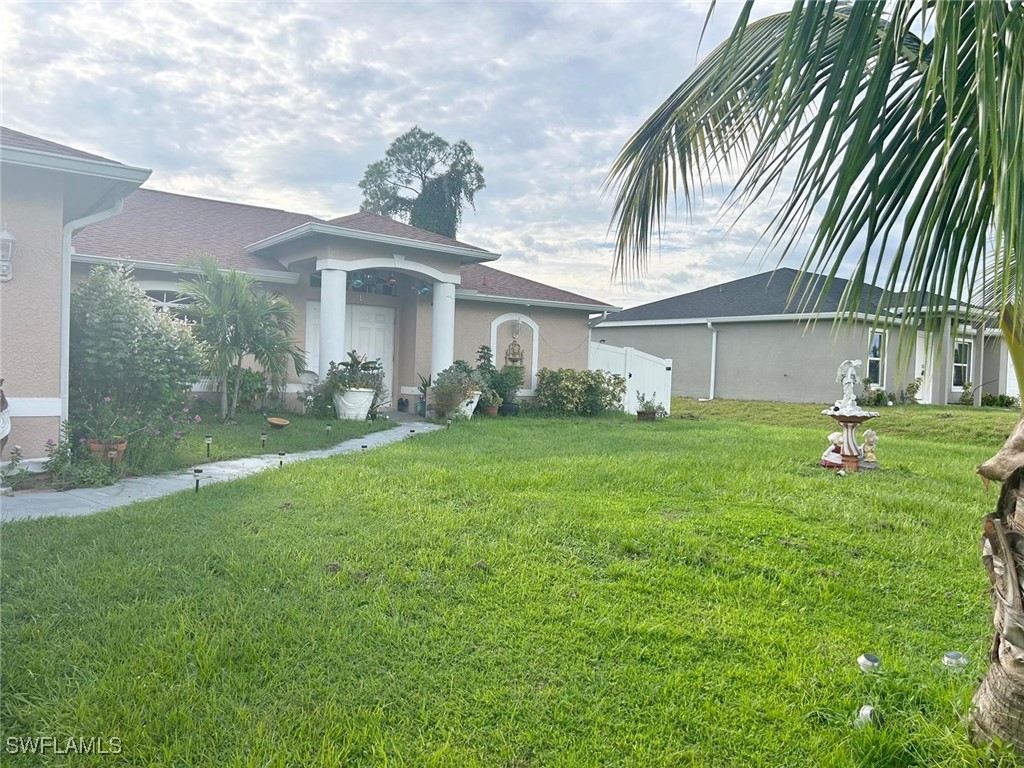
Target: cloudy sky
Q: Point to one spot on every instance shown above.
(284, 104)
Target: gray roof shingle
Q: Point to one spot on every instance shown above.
(767, 293)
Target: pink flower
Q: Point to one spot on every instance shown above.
(177, 435)
(185, 410)
(81, 441)
(49, 442)
(156, 431)
(198, 419)
(106, 399)
(170, 419)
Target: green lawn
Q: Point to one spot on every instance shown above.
(242, 438)
(523, 592)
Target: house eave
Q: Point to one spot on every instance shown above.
(469, 295)
(263, 275)
(31, 158)
(309, 228)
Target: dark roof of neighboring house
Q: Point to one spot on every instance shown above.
(12, 138)
(169, 228)
(488, 281)
(767, 293)
(375, 224)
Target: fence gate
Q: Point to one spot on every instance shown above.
(643, 372)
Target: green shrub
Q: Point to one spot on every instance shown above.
(130, 366)
(999, 401)
(568, 391)
(252, 389)
(453, 386)
(507, 382)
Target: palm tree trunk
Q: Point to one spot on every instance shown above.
(998, 706)
(223, 381)
(238, 383)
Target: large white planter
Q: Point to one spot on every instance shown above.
(468, 406)
(353, 404)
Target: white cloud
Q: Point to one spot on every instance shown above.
(285, 104)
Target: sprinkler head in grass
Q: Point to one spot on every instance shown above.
(197, 473)
(280, 459)
(209, 441)
(263, 439)
(954, 660)
(867, 717)
(868, 662)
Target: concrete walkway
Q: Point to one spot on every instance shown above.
(86, 501)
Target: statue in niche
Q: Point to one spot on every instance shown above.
(514, 352)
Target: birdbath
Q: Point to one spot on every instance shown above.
(848, 414)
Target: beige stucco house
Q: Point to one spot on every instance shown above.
(746, 339)
(48, 192)
(414, 299)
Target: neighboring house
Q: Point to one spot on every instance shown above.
(47, 193)
(414, 299)
(747, 339)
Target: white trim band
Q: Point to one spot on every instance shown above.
(34, 407)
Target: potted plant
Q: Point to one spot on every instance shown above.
(421, 404)
(107, 428)
(353, 386)
(507, 383)
(648, 409)
(489, 402)
(455, 391)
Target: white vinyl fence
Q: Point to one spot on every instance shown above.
(643, 373)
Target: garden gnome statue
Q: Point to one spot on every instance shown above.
(833, 457)
(870, 442)
(5, 418)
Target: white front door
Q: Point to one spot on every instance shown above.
(369, 330)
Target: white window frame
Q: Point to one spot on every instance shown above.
(967, 365)
(880, 383)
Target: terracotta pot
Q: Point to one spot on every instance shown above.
(101, 451)
(490, 410)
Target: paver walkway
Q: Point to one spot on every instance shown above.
(86, 501)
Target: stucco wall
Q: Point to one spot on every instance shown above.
(32, 205)
(782, 361)
(560, 340)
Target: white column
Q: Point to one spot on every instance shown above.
(333, 285)
(442, 347)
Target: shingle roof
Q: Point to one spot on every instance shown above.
(168, 228)
(488, 281)
(767, 293)
(16, 139)
(374, 223)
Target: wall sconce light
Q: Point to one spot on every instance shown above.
(7, 243)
